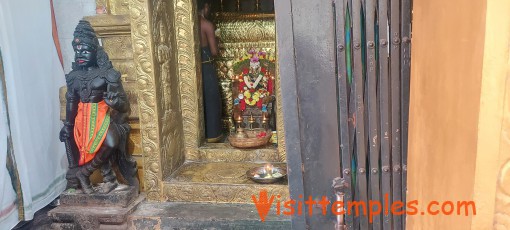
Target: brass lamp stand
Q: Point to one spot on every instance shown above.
(240, 131)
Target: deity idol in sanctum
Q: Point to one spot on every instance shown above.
(95, 130)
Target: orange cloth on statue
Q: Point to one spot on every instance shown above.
(90, 128)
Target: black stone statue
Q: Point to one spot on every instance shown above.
(95, 131)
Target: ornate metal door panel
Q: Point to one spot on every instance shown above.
(166, 77)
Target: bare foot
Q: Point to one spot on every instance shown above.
(107, 187)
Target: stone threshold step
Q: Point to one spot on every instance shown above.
(93, 216)
(178, 215)
(219, 182)
(224, 152)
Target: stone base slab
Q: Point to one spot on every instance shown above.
(118, 197)
(72, 214)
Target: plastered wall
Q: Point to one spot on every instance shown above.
(446, 72)
(492, 175)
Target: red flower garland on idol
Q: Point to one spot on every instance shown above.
(255, 83)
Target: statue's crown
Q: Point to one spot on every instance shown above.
(85, 34)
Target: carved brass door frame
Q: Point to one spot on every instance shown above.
(164, 148)
(148, 49)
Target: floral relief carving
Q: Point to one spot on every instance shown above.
(187, 71)
(139, 11)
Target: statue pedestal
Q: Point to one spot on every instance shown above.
(95, 211)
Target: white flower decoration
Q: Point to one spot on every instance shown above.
(241, 96)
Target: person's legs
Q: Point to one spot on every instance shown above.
(212, 103)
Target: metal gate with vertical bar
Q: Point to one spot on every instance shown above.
(344, 68)
(373, 72)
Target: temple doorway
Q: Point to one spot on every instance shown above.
(216, 171)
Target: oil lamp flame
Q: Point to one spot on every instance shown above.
(269, 169)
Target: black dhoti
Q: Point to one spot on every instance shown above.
(212, 98)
